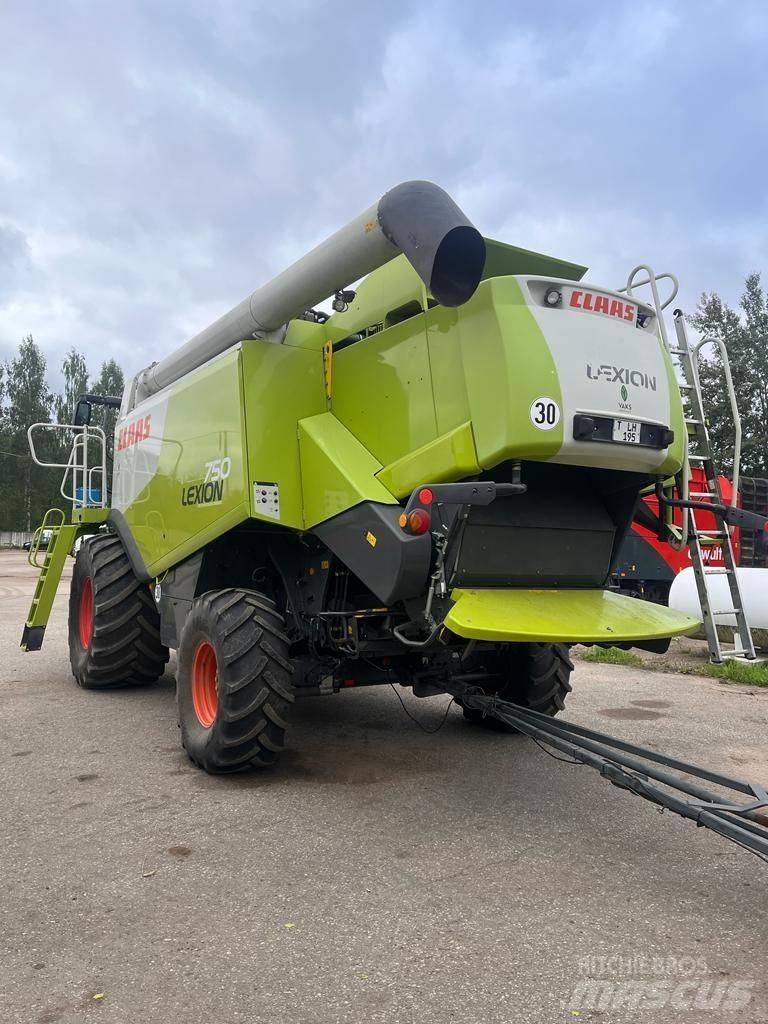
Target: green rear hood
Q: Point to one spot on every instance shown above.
(569, 616)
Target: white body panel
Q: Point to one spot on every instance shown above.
(138, 442)
(607, 366)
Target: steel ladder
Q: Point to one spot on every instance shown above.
(700, 453)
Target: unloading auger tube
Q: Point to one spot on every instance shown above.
(416, 218)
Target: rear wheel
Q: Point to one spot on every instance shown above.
(536, 676)
(234, 686)
(114, 627)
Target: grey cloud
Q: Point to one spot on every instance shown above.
(16, 267)
(162, 160)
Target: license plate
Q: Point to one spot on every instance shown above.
(626, 431)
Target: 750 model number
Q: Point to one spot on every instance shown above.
(218, 469)
(211, 490)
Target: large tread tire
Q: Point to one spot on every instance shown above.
(114, 626)
(536, 676)
(234, 682)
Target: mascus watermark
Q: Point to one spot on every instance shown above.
(656, 983)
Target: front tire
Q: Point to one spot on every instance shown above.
(234, 685)
(114, 626)
(536, 676)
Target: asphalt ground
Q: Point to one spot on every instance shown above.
(379, 875)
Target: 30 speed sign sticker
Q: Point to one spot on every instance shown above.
(545, 413)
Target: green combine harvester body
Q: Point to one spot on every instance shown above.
(430, 484)
(417, 394)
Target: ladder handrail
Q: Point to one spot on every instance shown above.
(77, 463)
(86, 474)
(732, 401)
(651, 279)
(47, 524)
(698, 434)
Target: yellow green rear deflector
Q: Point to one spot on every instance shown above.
(568, 616)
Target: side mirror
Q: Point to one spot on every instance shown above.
(83, 413)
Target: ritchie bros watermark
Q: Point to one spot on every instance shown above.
(655, 983)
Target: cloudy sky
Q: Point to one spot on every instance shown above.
(159, 160)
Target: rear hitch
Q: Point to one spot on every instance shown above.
(424, 507)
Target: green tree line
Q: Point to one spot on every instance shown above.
(28, 490)
(745, 333)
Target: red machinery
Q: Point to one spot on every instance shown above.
(646, 566)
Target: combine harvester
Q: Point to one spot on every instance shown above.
(428, 487)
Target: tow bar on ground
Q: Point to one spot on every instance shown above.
(643, 771)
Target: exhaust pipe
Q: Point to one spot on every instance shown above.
(416, 218)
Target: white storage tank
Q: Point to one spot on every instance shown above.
(753, 583)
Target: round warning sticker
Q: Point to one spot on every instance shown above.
(545, 413)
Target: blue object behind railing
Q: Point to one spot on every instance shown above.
(94, 496)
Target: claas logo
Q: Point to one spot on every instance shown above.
(602, 304)
(133, 433)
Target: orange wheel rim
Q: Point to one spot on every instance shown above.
(85, 613)
(205, 684)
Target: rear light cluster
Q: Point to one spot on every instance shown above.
(419, 520)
